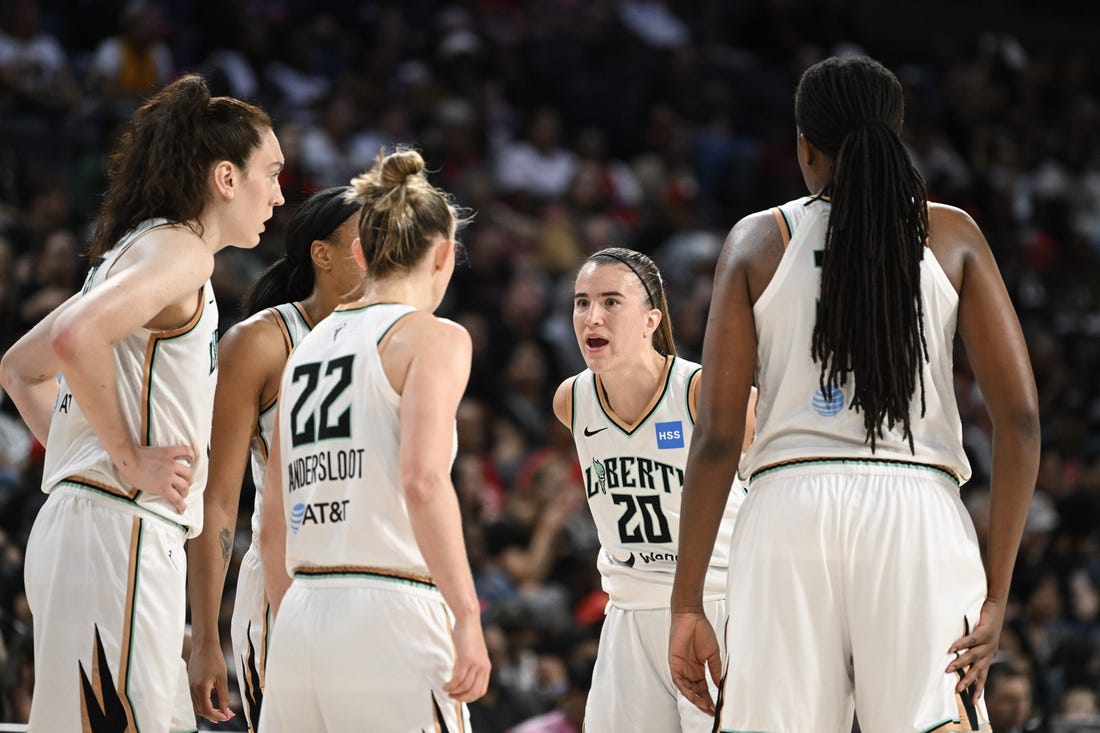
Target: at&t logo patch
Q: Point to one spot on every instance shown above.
(828, 401)
(321, 512)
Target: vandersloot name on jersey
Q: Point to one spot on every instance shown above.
(325, 465)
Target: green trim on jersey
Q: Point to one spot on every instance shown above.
(157, 339)
(393, 323)
(260, 425)
(364, 307)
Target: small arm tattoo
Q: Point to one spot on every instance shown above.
(226, 538)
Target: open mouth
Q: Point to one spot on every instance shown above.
(595, 342)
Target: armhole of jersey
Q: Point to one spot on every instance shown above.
(571, 404)
(284, 329)
(692, 381)
(784, 225)
(302, 314)
(391, 329)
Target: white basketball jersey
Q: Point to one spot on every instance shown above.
(340, 449)
(795, 419)
(634, 476)
(294, 326)
(166, 383)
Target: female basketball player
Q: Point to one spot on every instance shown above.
(858, 573)
(127, 425)
(631, 414)
(380, 629)
(316, 273)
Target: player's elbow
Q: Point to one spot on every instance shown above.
(423, 484)
(8, 370)
(65, 339)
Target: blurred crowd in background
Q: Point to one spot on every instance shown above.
(568, 126)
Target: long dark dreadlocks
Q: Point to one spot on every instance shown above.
(870, 316)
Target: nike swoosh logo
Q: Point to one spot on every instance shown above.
(589, 433)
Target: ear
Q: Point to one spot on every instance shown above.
(443, 250)
(225, 176)
(806, 149)
(357, 253)
(653, 320)
(320, 255)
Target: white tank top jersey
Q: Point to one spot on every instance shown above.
(796, 420)
(634, 476)
(166, 383)
(294, 325)
(340, 446)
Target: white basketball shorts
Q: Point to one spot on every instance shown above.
(849, 582)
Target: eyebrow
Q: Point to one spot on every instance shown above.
(602, 295)
(276, 165)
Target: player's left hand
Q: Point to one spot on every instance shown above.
(692, 651)
(980, 647)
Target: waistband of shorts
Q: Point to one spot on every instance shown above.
(854, 465)
(343, 575)
(112, 497)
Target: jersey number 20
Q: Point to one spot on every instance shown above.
(653, 528)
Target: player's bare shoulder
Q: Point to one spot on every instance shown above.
(954, 238)
(258, 339)
(754, 247)
(563, 402)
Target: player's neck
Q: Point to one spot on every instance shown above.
(413, 289)
(630, 388)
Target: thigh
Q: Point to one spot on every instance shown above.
(786, 639)
(249, 630)
(630, 689)
(916, 585)
(108, 608)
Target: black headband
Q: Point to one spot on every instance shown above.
(637, 274)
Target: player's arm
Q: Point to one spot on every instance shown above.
(273, 526)
(29, 372)
(434, 382)
(166, 268)
(250, 360)
(729, 356)
(750, 411)
(998, 355)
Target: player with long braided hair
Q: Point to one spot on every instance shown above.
(858, 580)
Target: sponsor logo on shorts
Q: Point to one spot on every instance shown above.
(670, 435)
(828, 401)
(319, 512)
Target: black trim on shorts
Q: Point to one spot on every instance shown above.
(855, 462)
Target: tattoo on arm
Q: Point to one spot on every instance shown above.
(226, 538)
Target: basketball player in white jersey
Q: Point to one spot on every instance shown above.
(631, 414)
(858, 578)
(127, 424)
(380, 629)
(316, 273)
